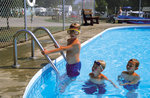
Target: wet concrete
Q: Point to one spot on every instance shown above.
(14, 81)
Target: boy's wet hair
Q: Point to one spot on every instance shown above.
(75, 25)
(136, 62)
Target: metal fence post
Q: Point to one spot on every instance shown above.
(82, 9)
(139, 7)
(25, 20)
(94, 8)
(63, 7)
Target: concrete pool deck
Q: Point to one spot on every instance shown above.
(14, 81)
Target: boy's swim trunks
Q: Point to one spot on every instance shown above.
(130, 87)
(91, 88)
(73, 70)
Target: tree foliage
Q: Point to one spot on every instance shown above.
(52, 3)
(47, 3)
(101, 5)
(115, 4)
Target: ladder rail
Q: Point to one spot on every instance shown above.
(36, 40)
(51, 36)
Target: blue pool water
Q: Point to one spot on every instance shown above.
(115, 46)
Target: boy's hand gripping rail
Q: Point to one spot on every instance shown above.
(40, 46)
(51, 36)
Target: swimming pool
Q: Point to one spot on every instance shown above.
(115, 46)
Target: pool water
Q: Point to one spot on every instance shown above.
(115, 46)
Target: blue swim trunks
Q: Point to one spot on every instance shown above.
(130, 87)
(73, 70)
(91, 88)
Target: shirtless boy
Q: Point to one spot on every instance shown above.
(96, 76)
(129, 79)
(97, 79)
(72, 49)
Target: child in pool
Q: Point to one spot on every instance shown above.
(97, 79)
(72, 49)
(96, 76)
(129, 79)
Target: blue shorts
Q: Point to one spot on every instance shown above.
(91, 88)
(130, 86)
(73, 70)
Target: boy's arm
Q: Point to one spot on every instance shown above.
(109, 81)
(120, 78)
(55, 45)
(62, 48)
(137, 78)
(113, 84)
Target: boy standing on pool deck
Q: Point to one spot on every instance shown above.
(129, 79)
(72, 49)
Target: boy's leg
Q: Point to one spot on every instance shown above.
(65, 83)
(62, 77)
(132, 94)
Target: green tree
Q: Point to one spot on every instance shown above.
(69, 2)
(48, 3)
(113, 5)
(52, 3)
(145, 3)
(100, 5)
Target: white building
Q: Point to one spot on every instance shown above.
(68, 9)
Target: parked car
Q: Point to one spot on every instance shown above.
(40, 11)
(49, 12)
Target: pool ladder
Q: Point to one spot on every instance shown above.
(33, 38)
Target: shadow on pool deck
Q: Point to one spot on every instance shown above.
(14, 81)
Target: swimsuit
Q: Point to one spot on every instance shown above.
(90, 88)
(73, 70)
(130, 86)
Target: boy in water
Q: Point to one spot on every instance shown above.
(72, 49)
(129, 79)
(97, 79)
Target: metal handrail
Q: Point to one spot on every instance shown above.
(40, 46)
(51, 36)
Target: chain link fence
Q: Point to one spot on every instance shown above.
(55, 15)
